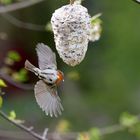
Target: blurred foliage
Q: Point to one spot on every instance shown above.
(20, 76)
(14, 56)
(6, 1)
(95, 134)
(2, 83)
(83, 136)
(108, 78)
(96, 28)
(128, 120)
(1, 101)
(136, 130)
(63, 126)
(11, 60)
(48, 27)
(73, 75)
(12, 115)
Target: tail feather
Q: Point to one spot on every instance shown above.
(29, 66)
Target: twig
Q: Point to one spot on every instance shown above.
(69, 135)
(15, 135)
(72, 2)
(111, 129)
(18, 5)
(52, 135)
(23, 127)
(18, 85)
(22, 24)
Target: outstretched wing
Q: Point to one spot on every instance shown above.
(46, 57)
(47, 99)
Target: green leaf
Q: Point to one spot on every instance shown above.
(15, 56)
(1, 101)
(128, 120)
(96, 28)
(96, 19)
(95, 134)
(2, 83)
(83, 136)
(23, 75)
(6, 1)
(136, 130)
(48, 27)
(12, 115)
(20, 76)
(63, 126)
(73, 75)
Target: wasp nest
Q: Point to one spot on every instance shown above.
(71, 27)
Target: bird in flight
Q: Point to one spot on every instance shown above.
(46, 88)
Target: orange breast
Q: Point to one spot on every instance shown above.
(60, 77)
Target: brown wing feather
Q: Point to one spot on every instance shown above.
(47, 99)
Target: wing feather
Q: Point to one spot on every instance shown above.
(46, 57)
(48, 99)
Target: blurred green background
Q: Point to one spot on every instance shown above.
(95, 92)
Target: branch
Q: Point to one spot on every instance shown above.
(53, 135)
(65, 136)
(18, 85)
(18, 135)
(19, 5)
(24, 128)
(111, 129)
(72, 2)
(22, 24)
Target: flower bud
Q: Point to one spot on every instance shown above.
(96, 28)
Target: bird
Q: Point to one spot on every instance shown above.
(49, 79)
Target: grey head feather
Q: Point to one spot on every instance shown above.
(48, 99)
(46, 57)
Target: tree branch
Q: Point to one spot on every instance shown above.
(111, 129)
(18, 5)
(24, 128)
(72, 2)
(69, 135)
(22, 24)
(18, 85)
(52, 135)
